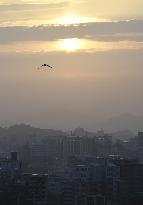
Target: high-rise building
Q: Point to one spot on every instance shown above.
(140, 138)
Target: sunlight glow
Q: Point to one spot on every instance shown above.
(71, 44)
(74, 20)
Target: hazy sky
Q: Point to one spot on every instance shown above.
(96, 48)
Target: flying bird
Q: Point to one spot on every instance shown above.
(45, 66)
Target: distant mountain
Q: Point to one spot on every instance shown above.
(127, 124)
(124, 122)
(6, 123)
(17, 135)
(62, 119)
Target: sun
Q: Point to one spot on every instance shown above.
(73, 19)
(71, 44)
(69, 20)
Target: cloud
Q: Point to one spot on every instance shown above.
(104, 31)
(31, 6)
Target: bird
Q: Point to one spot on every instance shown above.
(45, 65)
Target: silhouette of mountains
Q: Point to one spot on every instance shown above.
(125, 123)
(13, 137)
(17, 135)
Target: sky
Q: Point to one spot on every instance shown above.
(96, 49)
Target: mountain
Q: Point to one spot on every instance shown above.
(62, 119)
(66, 120)
(17, 135)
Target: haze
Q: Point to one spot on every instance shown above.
(96, 49)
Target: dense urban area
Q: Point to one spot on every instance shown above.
(49, 167)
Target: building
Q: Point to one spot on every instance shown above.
(10, 170)
(95, 200)
(140, 138)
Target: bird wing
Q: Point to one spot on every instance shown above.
(46, 65)
(49, 66)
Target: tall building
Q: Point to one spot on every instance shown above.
(10, 170)
(38, 151)
(95, 200)
(72, 146)
(140, 138)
